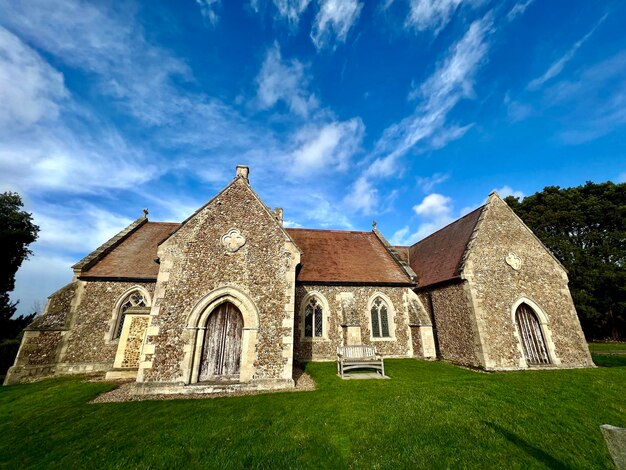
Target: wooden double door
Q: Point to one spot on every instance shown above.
(221, 351)
(533, 342)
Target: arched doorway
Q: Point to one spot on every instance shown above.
(533, 342)
(221, 352)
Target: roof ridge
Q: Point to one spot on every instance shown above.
(96, 255)
(470, 241)
(327, 230)
(391, 251)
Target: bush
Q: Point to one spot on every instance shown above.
(8, 351)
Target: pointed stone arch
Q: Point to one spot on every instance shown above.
(323, 302)
(543, 323)
(196, 326)
(117, 314)
(391, 317)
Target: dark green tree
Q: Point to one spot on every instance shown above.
(17, 231)
(585, 228)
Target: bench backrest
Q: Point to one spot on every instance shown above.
(356, 351)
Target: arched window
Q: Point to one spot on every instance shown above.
(380, 318)
(533, 342)
(313, 319)
(134, 299)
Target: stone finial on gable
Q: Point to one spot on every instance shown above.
(493, 195)
(278, 214)
(243, 171)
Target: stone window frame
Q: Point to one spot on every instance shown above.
(325, 316)
(391, 317)
(542, 318)
(117, 313)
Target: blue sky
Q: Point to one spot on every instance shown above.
(409, 112)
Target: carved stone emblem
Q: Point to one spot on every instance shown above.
(514, 261)
(233, 240)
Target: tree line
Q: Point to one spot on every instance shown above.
(585, 228)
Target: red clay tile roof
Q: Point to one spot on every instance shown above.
(328, 256)
(437, 258)
(343, 256)
(134, 256)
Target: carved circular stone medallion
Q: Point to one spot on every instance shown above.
(514, 261)
(233, 240)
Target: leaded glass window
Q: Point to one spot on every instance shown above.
(380, 318)
(134, 299)
(313, 319)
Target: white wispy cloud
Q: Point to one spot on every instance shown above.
(400, 236)
(557, 67)
(590, 103)
(208, 9)
(334, 20)
(291, 10)
(434, 205)
(108, 45)
(65, 162)
(435, 211)
(328, 146)
(363, 196)
(517, 110)
(284, 81)
(325, 213)
(427, 183)
(433, 14)
(91, 225)
(452, 81)
(427, 127)
(51, 155)
(30, 89)
(66, 151)
(518, 9)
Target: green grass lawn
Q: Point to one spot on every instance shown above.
(608, 347)
(427, 415)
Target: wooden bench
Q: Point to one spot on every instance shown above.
(359, 357)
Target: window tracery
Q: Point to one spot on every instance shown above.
(134, 299)
(313, 319)
(380, 318)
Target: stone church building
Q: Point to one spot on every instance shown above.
(230, 298)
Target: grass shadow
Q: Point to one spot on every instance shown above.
(535, 452)
(609, 360)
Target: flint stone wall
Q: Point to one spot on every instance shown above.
(73, 335)
(41, 343)
(326, 349)
(496, 286)
(89, 340)
(134, 340)
(455, 325)
(39, 348)
(194, 263)
(57, 313)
